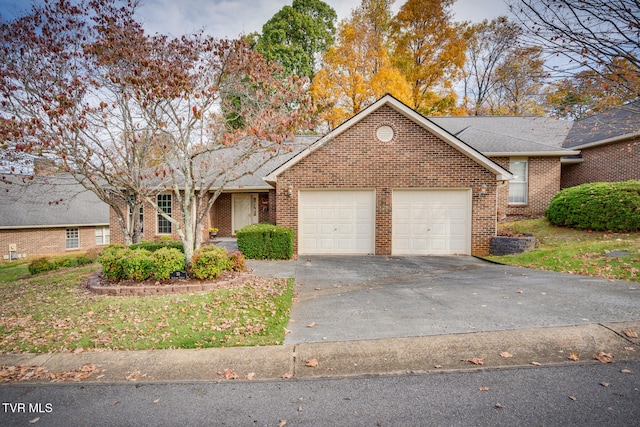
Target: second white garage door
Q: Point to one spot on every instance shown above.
(431, 222)
(336, 222)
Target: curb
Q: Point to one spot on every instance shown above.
(390, 356)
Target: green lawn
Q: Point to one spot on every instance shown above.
(576, 251)
(51, 312)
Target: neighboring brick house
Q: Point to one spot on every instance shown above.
(609, 145)
(49, 215)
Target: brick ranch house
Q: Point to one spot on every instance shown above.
(390, 181)
(49, 215)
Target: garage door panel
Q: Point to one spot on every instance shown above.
(343, 222)
(429, 222)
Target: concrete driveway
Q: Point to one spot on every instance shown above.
(370, 297)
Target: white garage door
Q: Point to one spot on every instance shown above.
(431, 222)
(336, 222)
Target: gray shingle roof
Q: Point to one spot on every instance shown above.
(490, 143)
(507, 134)
(55, 201)
(616, 122)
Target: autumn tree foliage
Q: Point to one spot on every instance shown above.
(130, 115)
(594, 39)
(429, 48)
(357, 70)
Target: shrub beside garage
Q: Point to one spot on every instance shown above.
(600, 206)
(265, 241)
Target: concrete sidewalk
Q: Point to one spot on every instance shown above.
(528, 347)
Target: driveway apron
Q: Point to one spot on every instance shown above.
(371, 297)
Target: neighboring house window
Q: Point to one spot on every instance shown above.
(103, 235)
(164, 203)
(72, 238)
(519, 185)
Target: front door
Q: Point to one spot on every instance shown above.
(245, 210)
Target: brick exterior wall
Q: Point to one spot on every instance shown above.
(219, 217)
(619, 161)
(221, 212)
(544, 183)
(414, 159)
(36, 242)
(150, 224)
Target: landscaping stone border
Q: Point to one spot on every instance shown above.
(503, 245)
(94, 284)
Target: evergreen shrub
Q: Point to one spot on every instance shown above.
(209, 261)
(265, 241)
(600, 206)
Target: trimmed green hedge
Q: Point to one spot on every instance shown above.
(44, 264)
(154, 246)
(265, 241)
(601, 206)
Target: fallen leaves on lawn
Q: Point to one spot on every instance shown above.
(474, 360)
(630, 334)
(574, 357)
(604, 357)
(57, 315)
(33, 373)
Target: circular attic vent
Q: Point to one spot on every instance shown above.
(385, 133)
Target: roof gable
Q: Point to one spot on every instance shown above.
(401, 108)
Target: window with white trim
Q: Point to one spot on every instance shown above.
(103, 236)
(519, 185)
(164, 203)
(72, 238)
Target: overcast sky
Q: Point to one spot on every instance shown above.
(230, 18)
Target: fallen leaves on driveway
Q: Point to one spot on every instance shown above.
(228, 374)
(630, 334)
(311, 363)
(35, 373)
(604, 357)
(474, 360)
(506, 354)
(574, 357)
